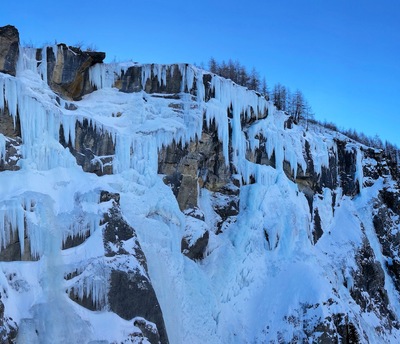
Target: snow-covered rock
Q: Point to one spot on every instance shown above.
(162, 203)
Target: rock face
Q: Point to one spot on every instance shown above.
(93, 149)
(125, 286)
(68, 70)
(199, 162)
(218, 208)
(9, 48)
(131, 293)
(8, 328)
(172, 80)
(11, 133)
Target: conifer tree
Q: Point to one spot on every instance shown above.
(264, 88)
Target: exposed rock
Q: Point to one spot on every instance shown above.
(12, 133)
(149, 330)
(73, 241)
(195, 213)
(369, 287)
(329, 177)
(9, 49)
(12, 252)
(106, 196)
(386, 225)
(13, 155)
(116, 279)
(115, 232)
(391, 198)
(123, 275)
(93, 149)
(374, 166)
(347, 169)
(259, 155)
(130, 292)
(317, 233)
(68, 70)
(131, 295)
(8, 127)
(70, 106)
(131, 80)
(200, 162)
(209, 92)
(8, 328)
(336, 329)
(195, 250)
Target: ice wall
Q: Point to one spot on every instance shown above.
(197, 299)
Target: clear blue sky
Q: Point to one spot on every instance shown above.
(343, 54)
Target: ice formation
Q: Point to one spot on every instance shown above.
(266, 262)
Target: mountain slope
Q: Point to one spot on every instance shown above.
(162, 203)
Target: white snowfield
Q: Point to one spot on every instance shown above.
(246, 290)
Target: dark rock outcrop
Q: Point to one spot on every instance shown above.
(68, 70)
(7, 126)
(93, 148)
(12, 252)
(336, 328)
(369, 287)
(149, 330)
(199, 163)
(347, 169)
(130, 293)
(385, 221)
(8, 328)
(10, 161)
(317, 233)
(9, 49)
(131, 80)
(195, 250)
(12, 132)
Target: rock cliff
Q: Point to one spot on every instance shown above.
(162, 203)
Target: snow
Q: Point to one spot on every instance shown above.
(260, 271)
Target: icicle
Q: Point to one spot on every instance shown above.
(201, 92)
(92, 283)
(190, 75)
(68, 123)
(2, 147)
(182, 70)
(164, 75)
(95, 76)
(11, 96)
(1, 95)
(12, 221)
(146, 74)
(157, 72)
(359, 176)
(43, 65)
(123, 147)
(27, 60)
